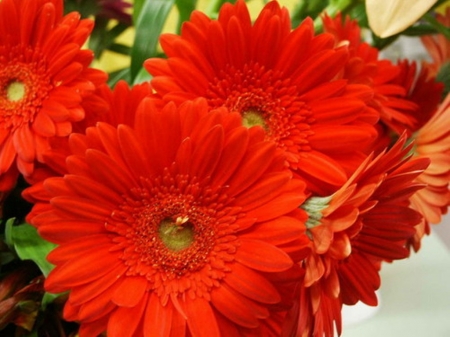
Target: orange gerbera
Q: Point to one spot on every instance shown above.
(177, 222)
(275, 77)
(365, 222)
(433, 142)
(438, 46)
(43, 78)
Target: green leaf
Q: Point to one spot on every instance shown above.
(150, 22)
(49, 298)
(8, 234)
(305, 8)
(214, 7)
(444, 77)
(142, 76)
(29, 245)
(102, 38)
(137, 7)
(116, 76)
(185, 8)
(119, 48)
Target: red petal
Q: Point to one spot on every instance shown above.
(80, 208)
(207, 153)
(322, 167)
(233, 151)
(24, 143)
(83, 269)
(7, 155)
(130, 291)
(44, 125)
(251, 284)
(90, 189)
(124, 321)
(60, 231)
(276, 232)
(96, 288)
(158, 318)
(233, 307)
(199, 311)
(262, 256)
(288, 201)
(109, 172)
(254, 164)
(269, 187)
(133, 153)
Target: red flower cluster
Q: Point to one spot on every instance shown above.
(254, 186)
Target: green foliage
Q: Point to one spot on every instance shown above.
(150, 19)
(28, 245)
(104, 38)
(444, 77)
(185, 8)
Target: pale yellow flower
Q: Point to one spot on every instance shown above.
(389, 17)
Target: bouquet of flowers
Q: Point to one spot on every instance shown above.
(247, 173)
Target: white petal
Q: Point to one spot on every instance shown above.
(389, 17)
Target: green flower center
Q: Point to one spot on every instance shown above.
(15, 91)
(176, 235)
(253, 118)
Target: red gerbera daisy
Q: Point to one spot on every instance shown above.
(365, 67)
(421, 89)
(433, 142)
(43, 78)
(177, 222)
(275, 77)
(113, 106)
(365, 222)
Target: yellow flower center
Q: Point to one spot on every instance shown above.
(176, 235)
(15, 91)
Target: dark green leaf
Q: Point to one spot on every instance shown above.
(116, 76)
(149, 25)
(444, 77)
(120, 48)
(304, 9)
(102, 39)
(49, 298)
(214, 7)
(185, 8)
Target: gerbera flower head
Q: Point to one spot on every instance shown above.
(364, 223)
(113, 106)
(181, 219)
(44, 76)
(390, 98)
(438, 46)
(422, 88)
(432, 141)
(279, 78)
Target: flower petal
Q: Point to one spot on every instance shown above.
(262, 256)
